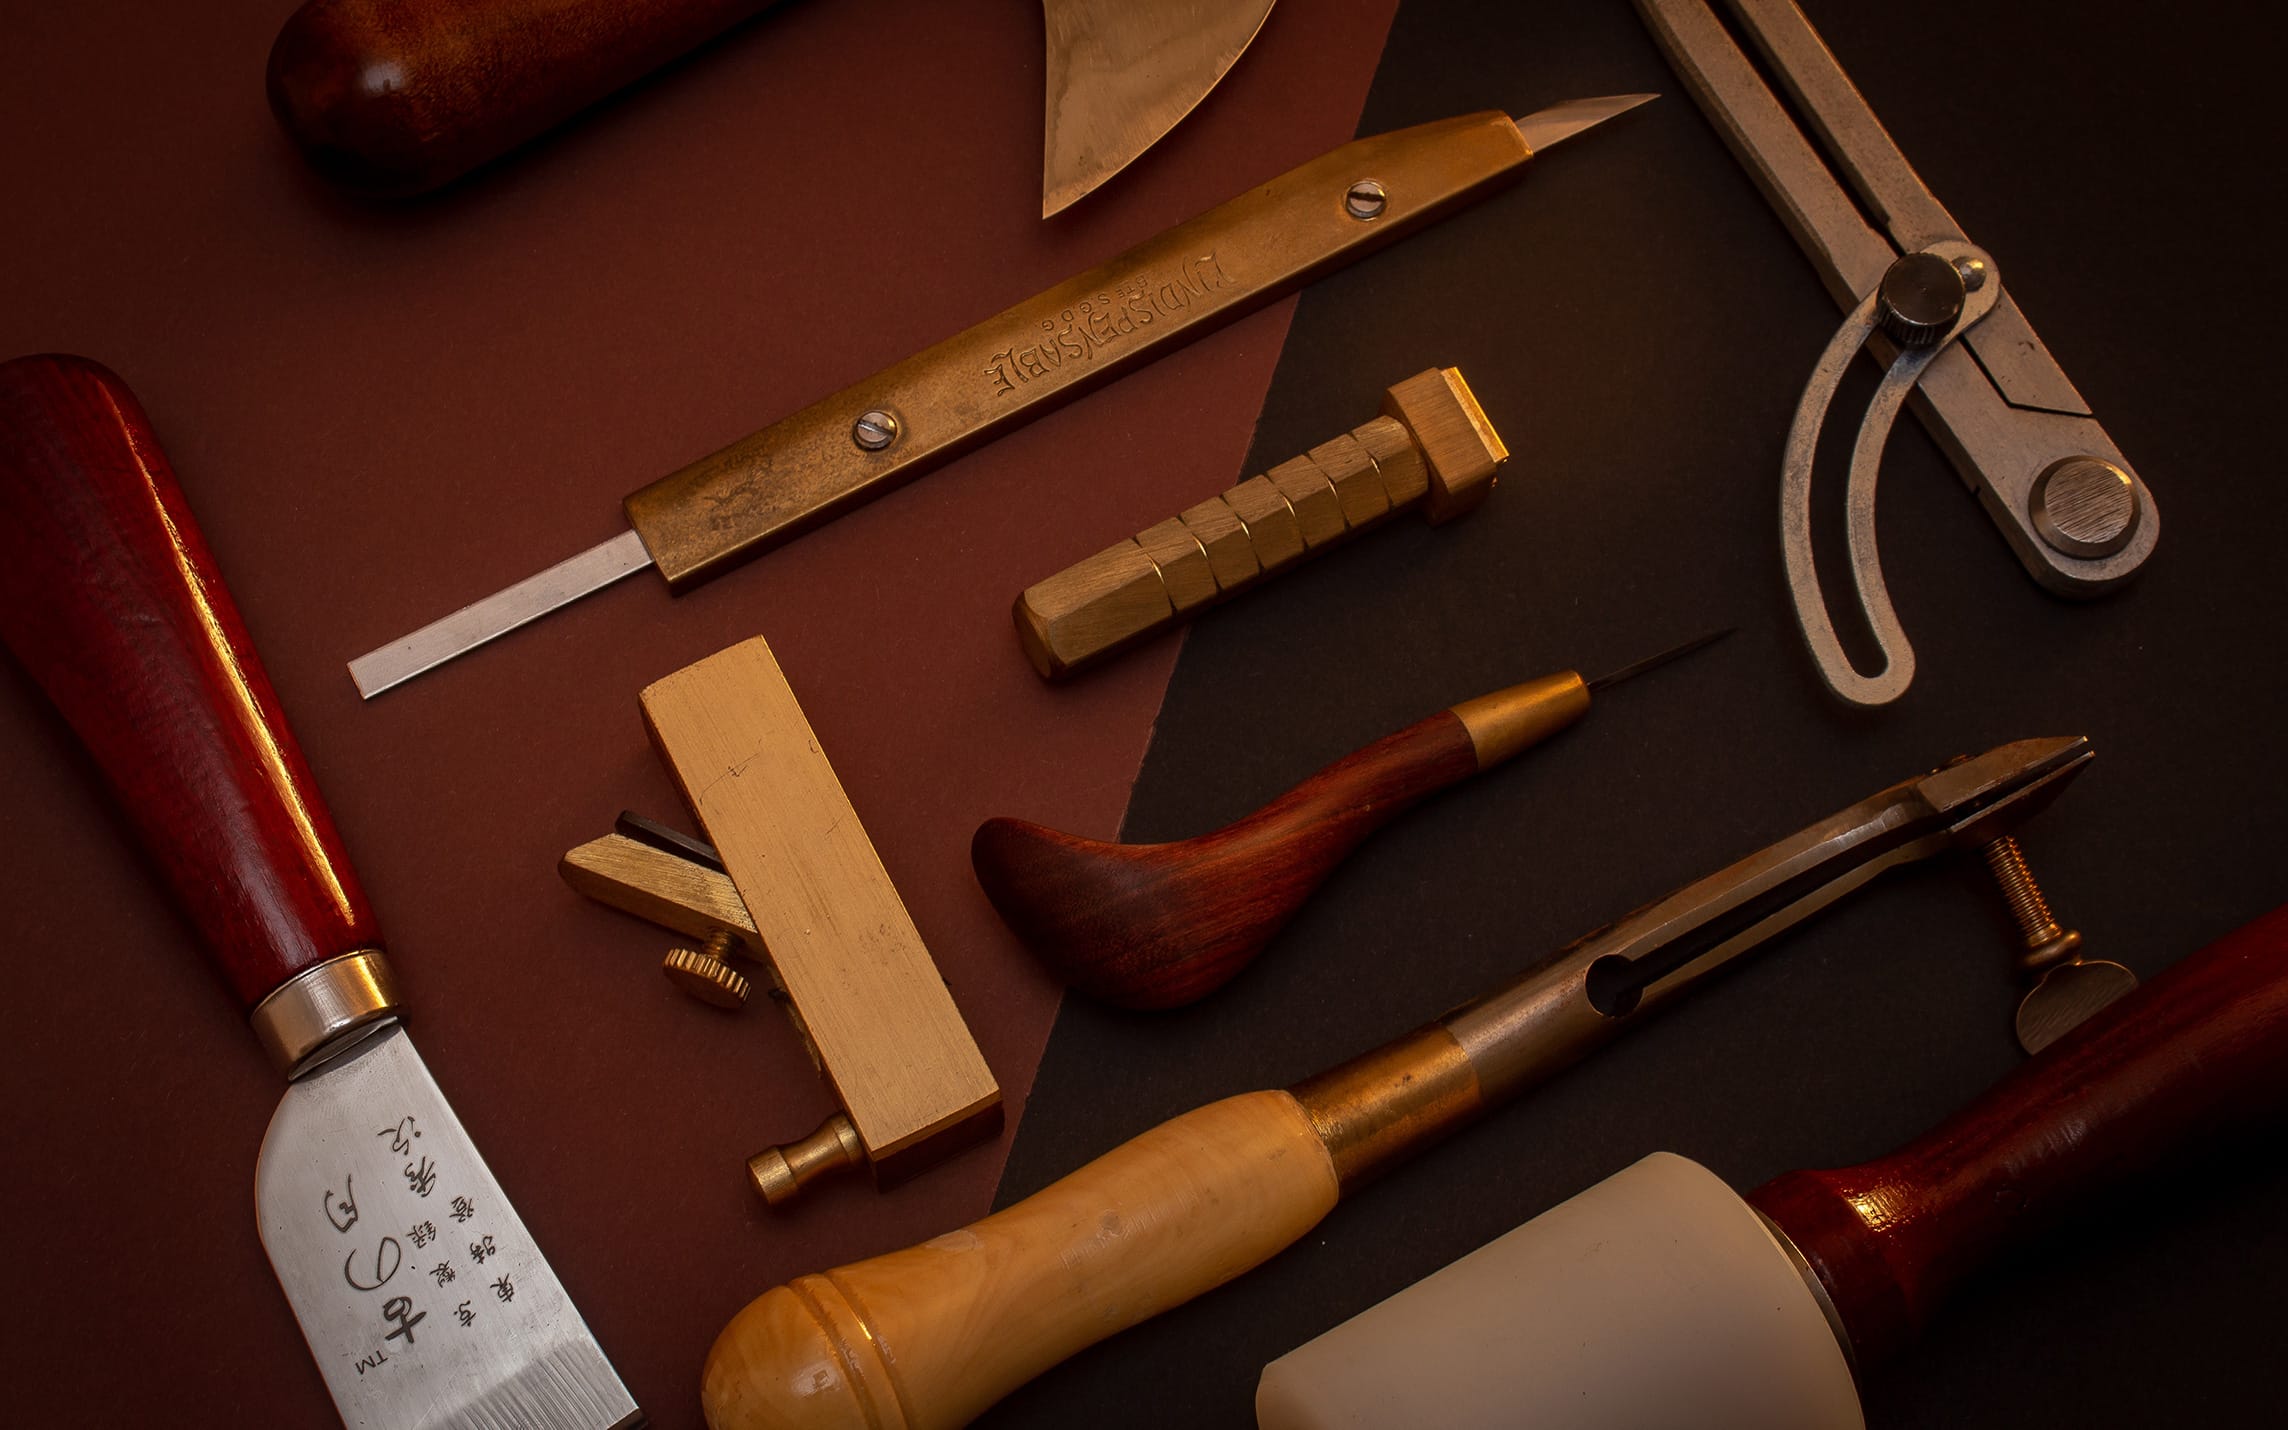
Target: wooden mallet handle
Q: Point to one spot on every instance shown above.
(1432, 447)
(399, 96)
(2198, 1050)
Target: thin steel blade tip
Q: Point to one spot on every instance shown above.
(496, 615)
(1654, 662)
(1560, 122)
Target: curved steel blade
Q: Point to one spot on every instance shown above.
(1121, 73)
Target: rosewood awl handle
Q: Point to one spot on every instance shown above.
(1153, 926)
(2197, 1052)
(112, 603)
(400, 96)
(1432, 447)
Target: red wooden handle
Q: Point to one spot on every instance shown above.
(398, 96)
(109, 599)
(1160, 925)
(2201, 1048)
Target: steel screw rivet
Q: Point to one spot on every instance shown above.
(2084, 506)
(1972, 271)
(1366, 200)
(1919, 300)
(875, 430)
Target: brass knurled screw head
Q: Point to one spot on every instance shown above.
(2047, 944)
(706, 973)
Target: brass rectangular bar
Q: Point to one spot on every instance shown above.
(877, 1013)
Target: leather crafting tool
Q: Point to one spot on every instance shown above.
(1432, 446)
(1162, 925)
(851, 447)
(1931, 305)
(425, 1301)
(401, 96)
(1659, 1297)
(938, 1332)
(796, 885)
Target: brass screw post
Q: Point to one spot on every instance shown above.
(706, 973)
(2047, 943)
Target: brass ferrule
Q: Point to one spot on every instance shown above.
(1378, 1109)
(323, 1009)
(1507, 721)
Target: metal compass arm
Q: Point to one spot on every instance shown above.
(2018, 432)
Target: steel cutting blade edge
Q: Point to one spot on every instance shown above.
(425, 1301)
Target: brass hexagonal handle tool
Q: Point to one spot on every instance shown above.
(801, 889)
(1432, 447)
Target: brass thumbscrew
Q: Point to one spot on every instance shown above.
(706, 972)
(2067, 987)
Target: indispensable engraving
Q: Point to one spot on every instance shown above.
(1081, 332)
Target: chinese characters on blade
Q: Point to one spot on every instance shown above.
(371, 1263)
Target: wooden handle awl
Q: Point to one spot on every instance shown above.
(109, 598)
(1432, 447)
(400, 96)
(928, 1337)
(1154, 926)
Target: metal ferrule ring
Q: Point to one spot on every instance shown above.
(323, 1009)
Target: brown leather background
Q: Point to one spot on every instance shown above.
(381, 412)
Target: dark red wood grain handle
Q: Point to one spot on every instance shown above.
(110, 601)
(1154, 926)
(2200, 1050)
(398, 96)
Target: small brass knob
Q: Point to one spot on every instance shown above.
(780, 1173)
(706, 973)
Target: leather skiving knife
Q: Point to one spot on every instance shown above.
(423, 1298)
(401, 96)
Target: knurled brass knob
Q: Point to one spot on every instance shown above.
(706, 973)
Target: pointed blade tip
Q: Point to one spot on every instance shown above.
(1560, 122)
(1654, 662)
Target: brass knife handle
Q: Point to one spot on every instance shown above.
(808, 468)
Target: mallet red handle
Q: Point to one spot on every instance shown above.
(398, 96)
(2201, 1049)
(111, 602)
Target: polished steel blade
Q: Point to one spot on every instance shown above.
(1121, 73)
(424, 1300)
(1558, 122)
(498, 614)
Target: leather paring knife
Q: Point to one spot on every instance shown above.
(423, 1297)
(916, 416)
